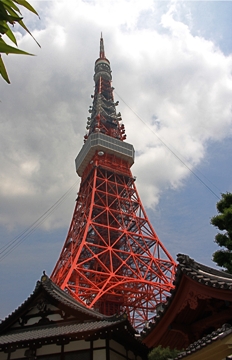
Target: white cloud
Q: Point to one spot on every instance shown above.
(179, 84)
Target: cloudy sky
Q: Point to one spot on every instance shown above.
(171, 64)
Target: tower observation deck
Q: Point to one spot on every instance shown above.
(112, 259)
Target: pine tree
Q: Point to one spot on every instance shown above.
(223, 222)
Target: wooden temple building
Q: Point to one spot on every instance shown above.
(51, 325)
(196, 319)
(197, 316)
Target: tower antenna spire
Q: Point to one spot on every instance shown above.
(102, 50)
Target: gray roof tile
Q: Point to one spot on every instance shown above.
(198, 272)
(55, 331)
(225, 330)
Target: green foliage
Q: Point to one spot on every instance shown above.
(9, 15)
(223, 222)
(160, 353)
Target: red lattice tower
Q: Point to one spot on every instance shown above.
(112, 259)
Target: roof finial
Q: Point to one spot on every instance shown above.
(102, 51)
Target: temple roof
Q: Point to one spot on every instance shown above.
(77, 329)
(199, 304)
(217, 344)
(58, 295)
(202, 273)
(50, 315)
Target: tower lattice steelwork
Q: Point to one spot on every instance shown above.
(112, 259)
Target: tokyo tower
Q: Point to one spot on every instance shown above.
(112, 259)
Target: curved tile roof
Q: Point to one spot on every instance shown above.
(198, 272)
(220, 333)
(61, 297)
(54, 331)
(202, 273)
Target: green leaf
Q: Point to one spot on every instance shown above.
(26, 5)
(3, 27)
(10, 4)
(3, 12)
(3, 71)
(11, 36)
(13, 15)
(7, 49)
(20, 21)
(9, 14)
(25, 28)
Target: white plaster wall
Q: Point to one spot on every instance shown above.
(99, 354)
(116, 346)
(3, 356)
(114, 356)
(32, 321)
(16, 354)
(48, 349)
(99, 343)
(77, 345)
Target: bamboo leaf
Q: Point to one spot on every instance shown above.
(3, 71)
(7, 49)
(3, 11)
(9, 14)
(20, 22)
(26, 5)
(3, 27)
(25, 28)
(11, 4)
(13, 15)
(11, 36)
